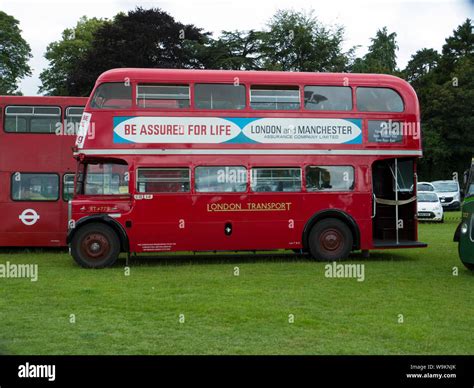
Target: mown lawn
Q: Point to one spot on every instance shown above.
(245, 314)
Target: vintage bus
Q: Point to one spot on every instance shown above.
(464, 234)
(203, 160)
(36, 168)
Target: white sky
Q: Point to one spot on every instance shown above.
(418, 23)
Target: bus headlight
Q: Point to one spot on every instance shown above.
(464, 228)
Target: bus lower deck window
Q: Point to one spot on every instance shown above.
(329, 178)
(220, 179)
(163, 180)
(276, 179)
(34, 187)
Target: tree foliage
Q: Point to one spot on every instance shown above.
(14, 55)
(233, 50)
(382, 55)
(141, 38)
(64, 54)
(297, 41)
(445, 87)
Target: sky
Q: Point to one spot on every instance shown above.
(418, 23)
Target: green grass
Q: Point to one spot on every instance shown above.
(246, 314)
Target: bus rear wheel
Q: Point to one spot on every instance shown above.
(95, 246)
(329, 240)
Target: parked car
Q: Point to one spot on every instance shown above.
(429, 207)
(449, 194)
(424, 186)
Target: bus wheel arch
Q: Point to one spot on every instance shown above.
(95, 245)
(103, 222)
(338, 216)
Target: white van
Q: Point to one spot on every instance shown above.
(449, 194)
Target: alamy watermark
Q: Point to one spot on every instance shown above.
(18, 271)
(72, 129)
(334, 270)
(31, 371)
(398, 129)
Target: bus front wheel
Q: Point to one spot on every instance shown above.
(95, 246)
(330, 239)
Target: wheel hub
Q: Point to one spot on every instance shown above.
(331, 240)
(95, 245)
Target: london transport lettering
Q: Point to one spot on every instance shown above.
(236, 130)
(248, 207)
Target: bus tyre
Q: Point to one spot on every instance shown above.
(95, 246)
(330, 240)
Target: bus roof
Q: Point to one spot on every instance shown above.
(42, 100)
(260, 77)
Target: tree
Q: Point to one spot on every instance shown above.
(381, 57)
(297, 41)
(459, 46)
(234, 50)
(446, 94)
(64, 54)
(141, 38)
(14, 55)
(421, 63)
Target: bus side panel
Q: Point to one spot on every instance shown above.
(27, 223)
(161, 223)
(246, 221)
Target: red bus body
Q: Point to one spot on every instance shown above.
(267, 220)
(35, 155)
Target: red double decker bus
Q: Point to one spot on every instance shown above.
(197, 160)
(36, 168)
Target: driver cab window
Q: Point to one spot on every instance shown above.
(103, 179)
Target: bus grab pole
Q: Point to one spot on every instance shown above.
(396, 199)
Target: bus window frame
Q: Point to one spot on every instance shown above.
(64, 185)
(4, 118)
(259, 166)
(37, 173)
(276, 85)
(247, 182)
(135, 186)
(246, 105)
(80, 169)
(133, 105)
(150, 83)
(353, 101)
(387, 112)
(354, 190)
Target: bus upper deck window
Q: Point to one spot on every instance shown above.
(275, 97)
(163, 96)
(378, 100)
(112, 96)
(34, 119)
(219, 96)
(327, 97)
